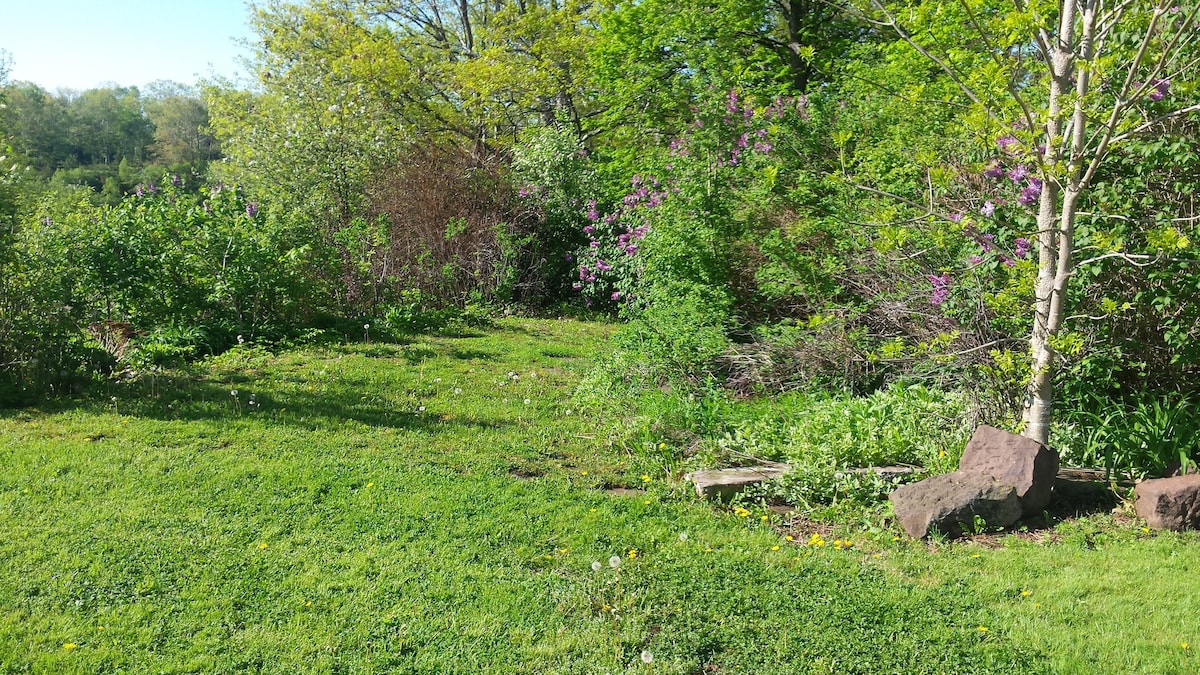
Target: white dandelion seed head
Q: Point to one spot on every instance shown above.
(614, 561)
(596, 565)
(647, 657)
(683, 536)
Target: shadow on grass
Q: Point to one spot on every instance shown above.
(180, 397)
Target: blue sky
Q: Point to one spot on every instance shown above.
(78, 45)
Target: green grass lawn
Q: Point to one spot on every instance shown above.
(437, 507)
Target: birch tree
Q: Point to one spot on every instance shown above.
(1063, 84)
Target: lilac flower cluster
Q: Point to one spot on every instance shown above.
(987, 242)
(1161, 87)
(941, 288)
(646, 193)
(1019, 174)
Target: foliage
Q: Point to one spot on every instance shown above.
(1141, 435)
(206, 269)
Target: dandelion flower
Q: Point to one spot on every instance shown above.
(789, 538)
(370, 485)
(582, 473)
(527, 401)
(614, 561)
(647, 657)
(982, 629)
(764, 519)
(262, 546)
(633, 553)
(647, 502)
(645, 478)
(708, 550)
(69, 645)
(683, 536)
(1184, 646)
(1025, 594)
(596, 565)
(774, 548)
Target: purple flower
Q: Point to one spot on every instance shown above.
(743, 140)
(764, 148)
(988, 209)
(1005, 142)
(1161, 87)
(151, 188)
(987, 241)
(568, 257)
(616, 295)
(941, 288)
(603, 266)
(1023, 246)
(594, 244)
(584, 272)
(994, 170)
(175, 180)
(976, 259)
(588, 229)
(1030, 194)
(956, 217)
(592, 214)
(1018, 174)
(577, 286)
(251, 209)
(632, 249)
(1007, 261)
(139, 190)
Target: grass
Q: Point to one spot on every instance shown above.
(436, 507)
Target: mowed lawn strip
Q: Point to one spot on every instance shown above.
(429, 507)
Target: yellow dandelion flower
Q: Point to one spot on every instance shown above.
(974, 555)
(774, 548)
(789, 538)
(764, 519)
(741, 512)
(370, 485)
(262, 546)
(1184, 646)
(582, 473)
(633, 553)
(592, 510)
(708, 550)
(647, 502)
(1026, 594)
(69, 645)
(982, 629)
(645, 478)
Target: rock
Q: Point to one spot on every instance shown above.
(951, 502)
(724, 483)
(1170, 503)
(1014, 460)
